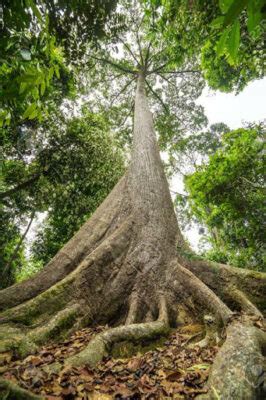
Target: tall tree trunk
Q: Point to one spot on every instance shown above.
(127, 266)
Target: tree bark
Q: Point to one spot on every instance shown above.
(128, 267)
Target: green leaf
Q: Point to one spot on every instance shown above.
(221, 44)
(35, 10)
(233, 41)
(42, 88)
(57, 73)
(254, 16)
(217, 22)
(22, 87)
(29, 110)
(33, 114)
(50, 73)
(198, 366)
(235, 9)
(224, 5)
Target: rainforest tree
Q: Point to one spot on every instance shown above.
(227, 194)
(129, 265)
(76, 160)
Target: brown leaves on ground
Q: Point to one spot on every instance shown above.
(170, 371)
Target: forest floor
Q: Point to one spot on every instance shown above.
(168, 368)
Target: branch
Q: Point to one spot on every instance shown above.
(118, 66)
(15, 253)
(167, 80)
(154, 71)
(127, 115)
(158, 97)
(129, 50)
(139, 46)
(21, 185)
(122, 91)
(147, 56)
(189, 71)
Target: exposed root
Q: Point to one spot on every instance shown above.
(163, 311)
(133, 309)
(219, 277)
(238, 370)
(11, 391)
(211, 333)
(102, 343)
(90, 235)
(246, 305)
(202, 293)
(59, 325)
(57, 297)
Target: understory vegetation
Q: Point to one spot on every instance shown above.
(94, 263)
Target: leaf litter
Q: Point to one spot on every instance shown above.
(171, 370)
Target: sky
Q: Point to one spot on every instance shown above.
(234, 111)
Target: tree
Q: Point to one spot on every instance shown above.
(128, 265)
(228, 36)
(226, 194)
(64, 170)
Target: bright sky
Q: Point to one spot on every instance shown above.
(234, 111)
(247, 106)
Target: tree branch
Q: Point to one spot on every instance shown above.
(167, 80)
(15, 253)
(157, 97)
(122, 90)
(154, 71)
(118, 66)
(22, 185)
(179, 72)
(129, 50)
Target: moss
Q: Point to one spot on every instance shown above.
(58, 327)
(11, 391)
(25, 347)
(47, 303)
(91, 355)
(190, 255)
(126, 349)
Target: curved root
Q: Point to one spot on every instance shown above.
(240, 298)
(211, 333)
(102, 343)
(202, 293)
(133, 309)
(219, 277)
(89, 236)
(11, 391)
(238, 370)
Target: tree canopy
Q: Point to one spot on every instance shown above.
(85, 87)
(227, 195)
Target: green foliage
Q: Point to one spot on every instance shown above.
(9, 238)
(227, 195)
(68, 178)
(87, 167)
(227, 35)
(229, 24)
(31, 69)
(73, 23)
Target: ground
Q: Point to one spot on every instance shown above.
(167, 368)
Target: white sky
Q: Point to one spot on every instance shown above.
(234, 111)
